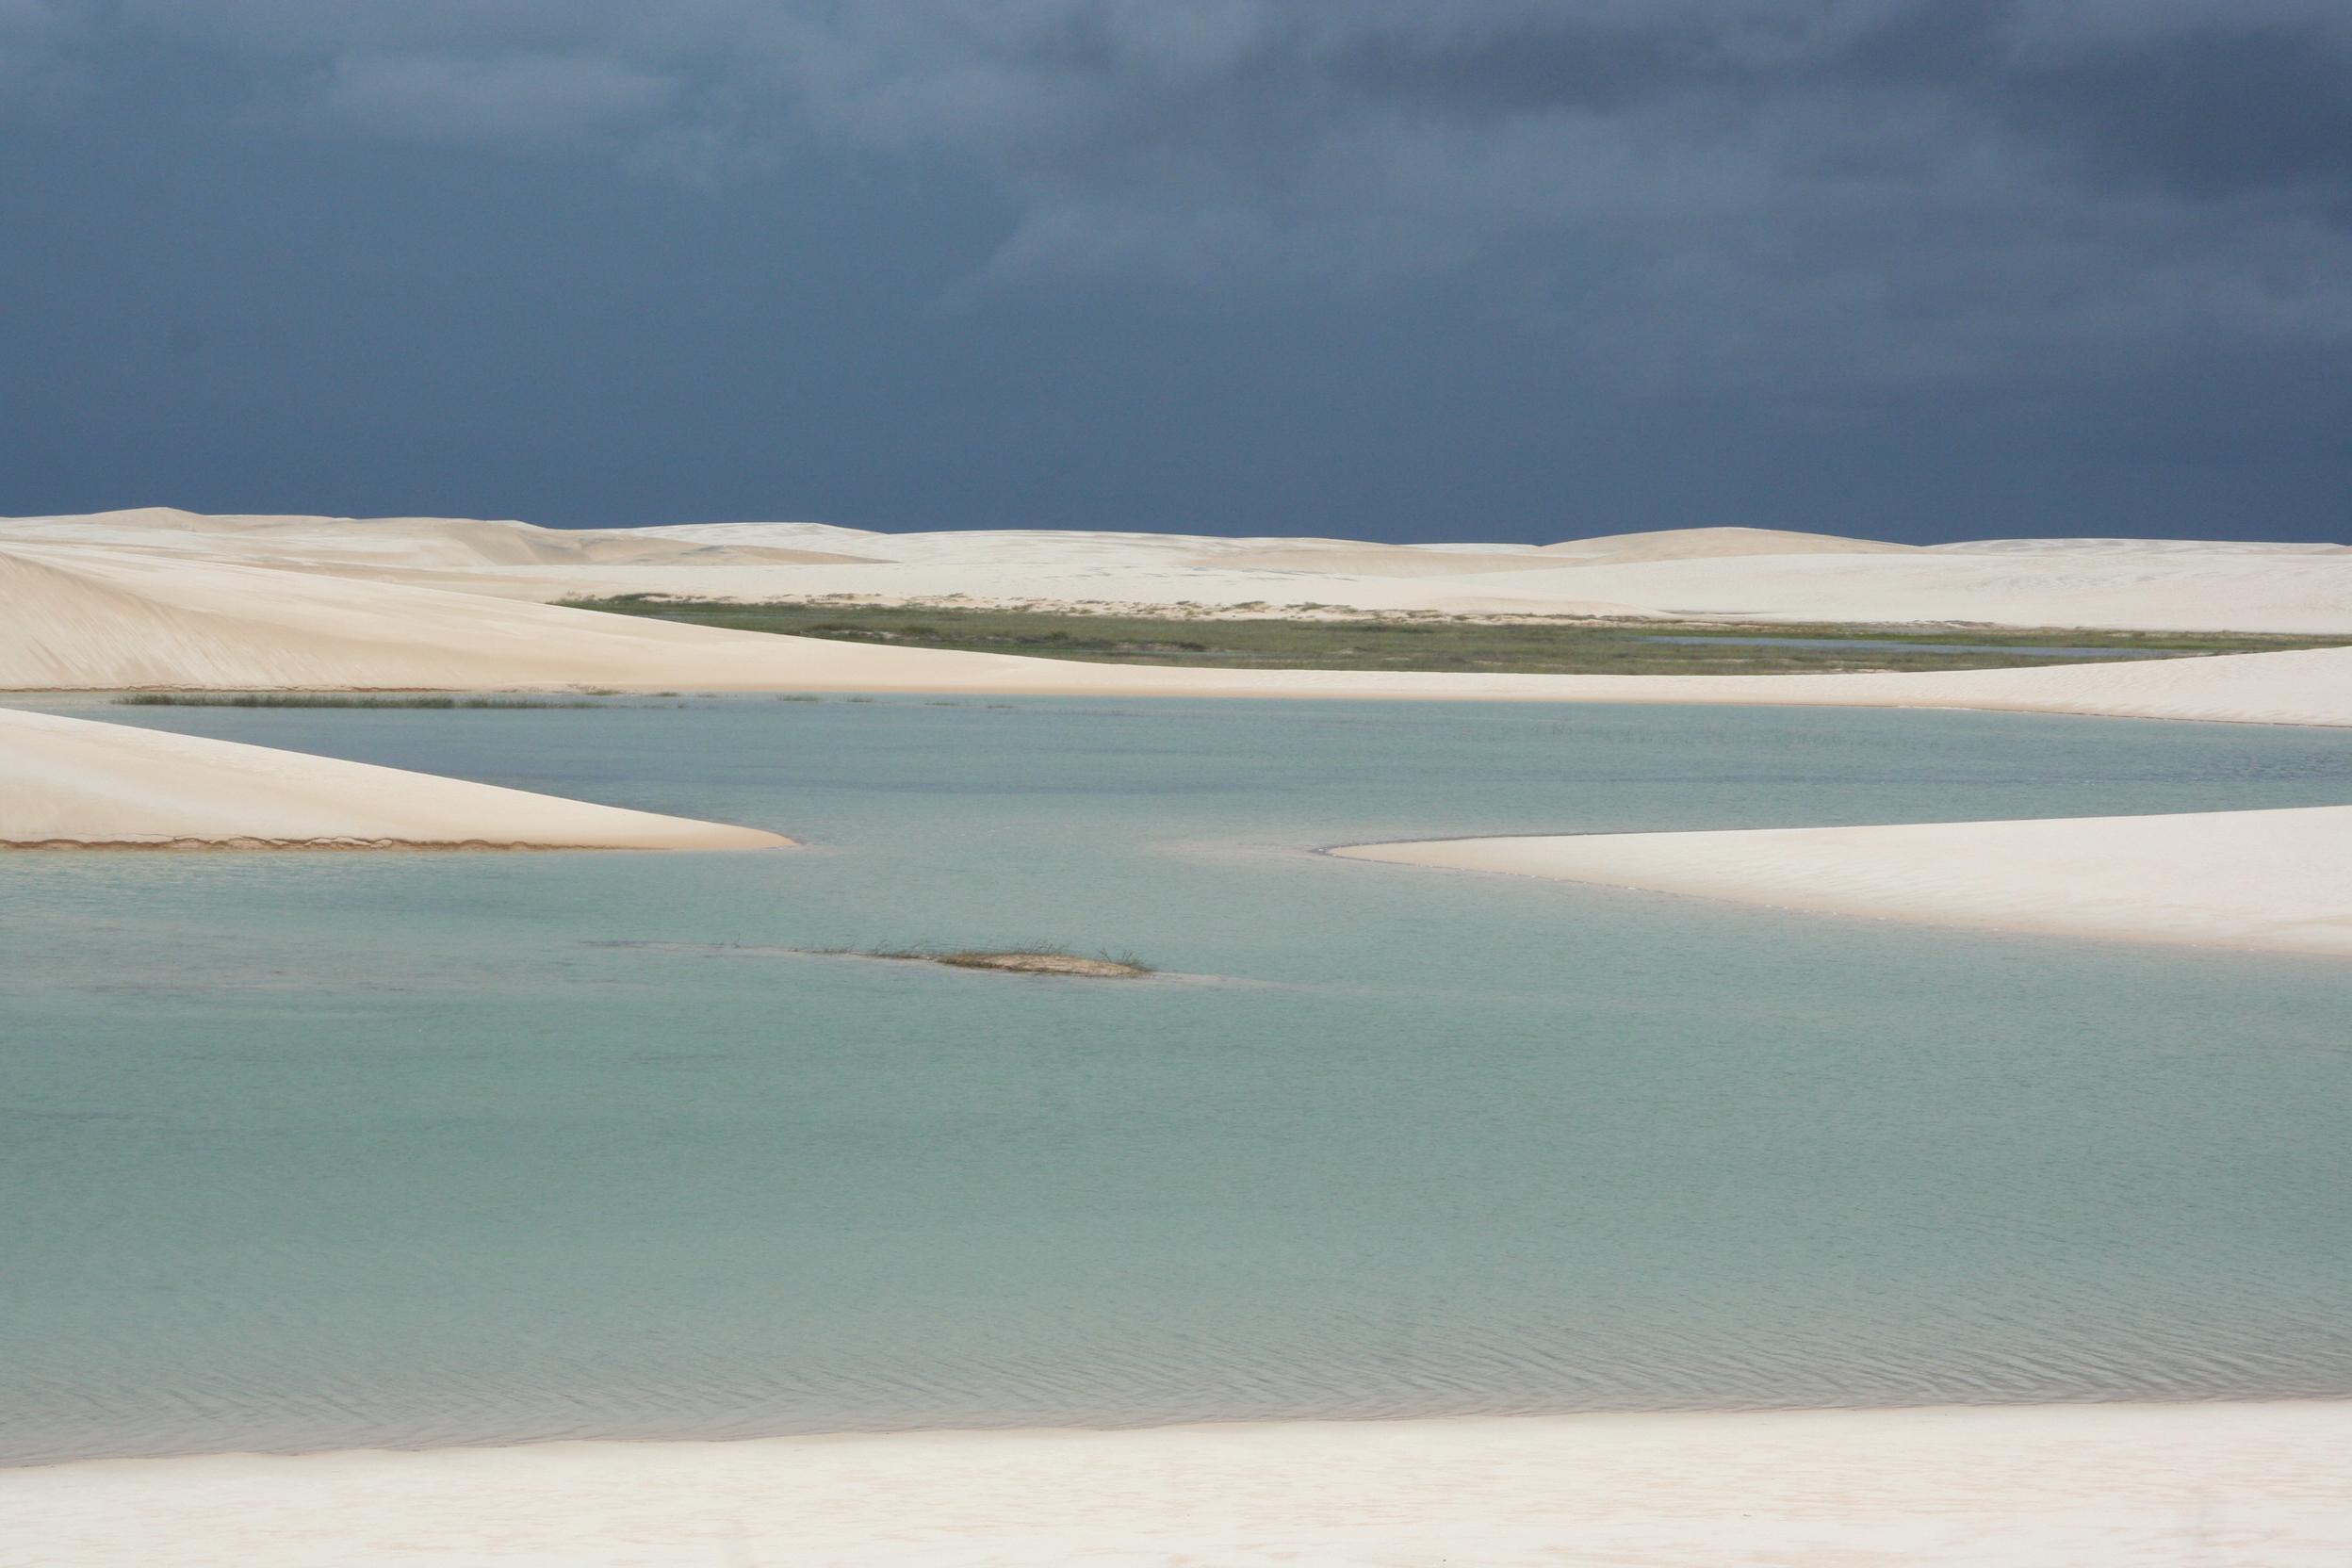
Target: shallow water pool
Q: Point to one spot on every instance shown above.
(327, 1151)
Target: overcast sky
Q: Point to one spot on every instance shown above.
(1388, 268)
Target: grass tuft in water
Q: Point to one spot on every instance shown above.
(1028, 959)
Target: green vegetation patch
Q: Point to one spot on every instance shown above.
(1301, 640)
(1033, 958)
(332, 699)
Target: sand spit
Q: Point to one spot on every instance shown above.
(71, 783)
(2082, 1486)
(2277, 880)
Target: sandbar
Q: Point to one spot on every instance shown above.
(75, 783)
(2274, 880)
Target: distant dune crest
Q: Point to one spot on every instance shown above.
(1742, 572)
(403, 542)
(1715, 544)
(2136, 546)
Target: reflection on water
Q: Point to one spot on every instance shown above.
(407, 1149)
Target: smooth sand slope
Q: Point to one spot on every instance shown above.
(448, 544)
(70, 783)
(107, 619)
(2086, 1486)
(2280, 880)
(103, 617)
(1757, 574)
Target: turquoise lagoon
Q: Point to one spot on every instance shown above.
(331, 1150)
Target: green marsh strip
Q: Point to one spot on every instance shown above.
(1322, 637)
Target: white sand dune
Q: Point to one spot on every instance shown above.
(1719, 572)
(2280, 880)
(395, 541)
(2084, 1486)
(2136, 546)
(85, 616)
(70, 783)
(104, 618)
(2156, 590)
(1374, 560)
(1714, 544)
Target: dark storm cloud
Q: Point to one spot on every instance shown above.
(1812, 215)
(1878, 189)
(2209, 114)
(525, 97)
(1713, 158)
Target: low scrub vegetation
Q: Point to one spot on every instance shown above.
(1317, 638)
(335, 699)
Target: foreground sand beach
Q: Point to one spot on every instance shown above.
(73, 784)
(2257, 1485)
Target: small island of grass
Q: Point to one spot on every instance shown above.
(1041, 960)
